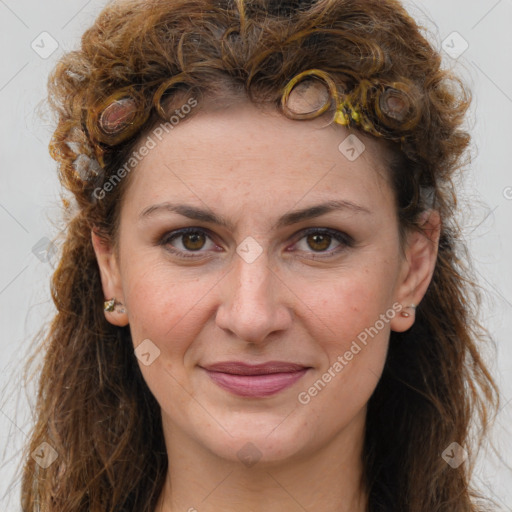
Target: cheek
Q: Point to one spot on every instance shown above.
(351, 300)
(166, 310)
(353, 334)
(163, 306)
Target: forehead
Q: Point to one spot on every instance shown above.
(244, 152)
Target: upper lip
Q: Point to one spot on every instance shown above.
(240, 368)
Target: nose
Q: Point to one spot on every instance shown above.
(253, 301)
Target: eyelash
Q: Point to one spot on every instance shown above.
(339, 236)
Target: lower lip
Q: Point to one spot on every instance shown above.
(256, 386)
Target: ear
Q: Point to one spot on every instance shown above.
(110, 279)
(417, 269)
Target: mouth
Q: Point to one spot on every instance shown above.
(256, 381)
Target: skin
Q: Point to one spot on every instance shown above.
(252, 166)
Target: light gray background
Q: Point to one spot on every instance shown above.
(29, 194)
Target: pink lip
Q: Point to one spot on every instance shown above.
(255, 380)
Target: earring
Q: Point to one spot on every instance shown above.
(110, 305)
(407, 315)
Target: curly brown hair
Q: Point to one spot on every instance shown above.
(93, 406)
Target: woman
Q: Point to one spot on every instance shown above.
(262, 302)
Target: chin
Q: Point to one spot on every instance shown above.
(262, 443)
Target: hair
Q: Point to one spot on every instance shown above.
(93, 405)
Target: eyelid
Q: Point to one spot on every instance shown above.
(343, 238)
(335, 233)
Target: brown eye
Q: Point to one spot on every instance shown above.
(193, 241)
(319, 242)
(188, 243)
(323, 243)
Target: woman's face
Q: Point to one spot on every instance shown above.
(281, 279)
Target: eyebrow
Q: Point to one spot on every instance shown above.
(287, 219)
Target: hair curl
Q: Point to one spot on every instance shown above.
(385, 79)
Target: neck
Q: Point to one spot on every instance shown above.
(328, 479)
